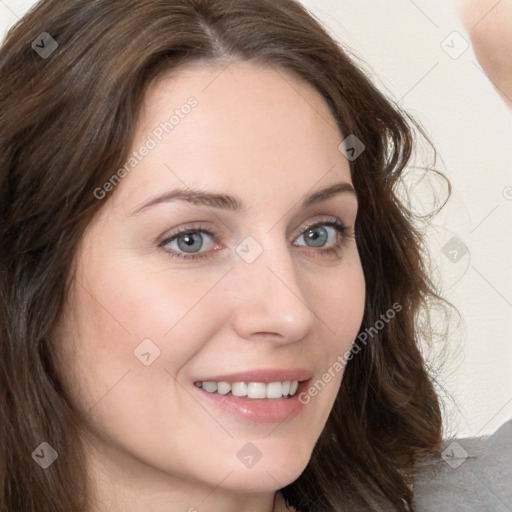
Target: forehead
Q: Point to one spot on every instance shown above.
(253, 128)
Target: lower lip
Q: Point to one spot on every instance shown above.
(258, 410)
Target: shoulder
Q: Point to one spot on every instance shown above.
(474, 475)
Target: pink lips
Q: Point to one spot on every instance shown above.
(257, 410)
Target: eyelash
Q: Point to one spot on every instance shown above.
(341, 231)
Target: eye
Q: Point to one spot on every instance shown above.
(189, 242)
(186, 242)
(326, 233)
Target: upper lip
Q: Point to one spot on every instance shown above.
(265, 375)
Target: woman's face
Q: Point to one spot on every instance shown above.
(264, 300)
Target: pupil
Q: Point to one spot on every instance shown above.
(189, 242)
(317, 239)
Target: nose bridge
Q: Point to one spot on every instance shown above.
(270, 297)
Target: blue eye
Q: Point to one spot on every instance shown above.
(318, 235)
(187, 243)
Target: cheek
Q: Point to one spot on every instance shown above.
(127, 325)
(125, 345)
(341, 310)
(131, 300)
(340, 300)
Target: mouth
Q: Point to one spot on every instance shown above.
(254, 390)
(262, 396)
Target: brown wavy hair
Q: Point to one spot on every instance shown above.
(67, 122)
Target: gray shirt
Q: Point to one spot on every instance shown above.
(475, 475)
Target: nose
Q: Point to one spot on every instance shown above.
(269, 302)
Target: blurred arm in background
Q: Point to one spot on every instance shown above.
(489, 25)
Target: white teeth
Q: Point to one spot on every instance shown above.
(239, 389)
(223, 388)
(211, 387)
(275, 390)
(257, 390)
(252, 389)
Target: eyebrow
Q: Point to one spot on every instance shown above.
(235, 204)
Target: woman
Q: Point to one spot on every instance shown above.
(210, 291)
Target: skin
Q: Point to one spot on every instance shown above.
(489, 25)
(271, 140)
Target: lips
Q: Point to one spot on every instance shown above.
(257, 396)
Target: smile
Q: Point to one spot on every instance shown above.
(255, 390)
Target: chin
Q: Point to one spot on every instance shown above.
(275, 469)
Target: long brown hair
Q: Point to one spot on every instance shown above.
(67, 121)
